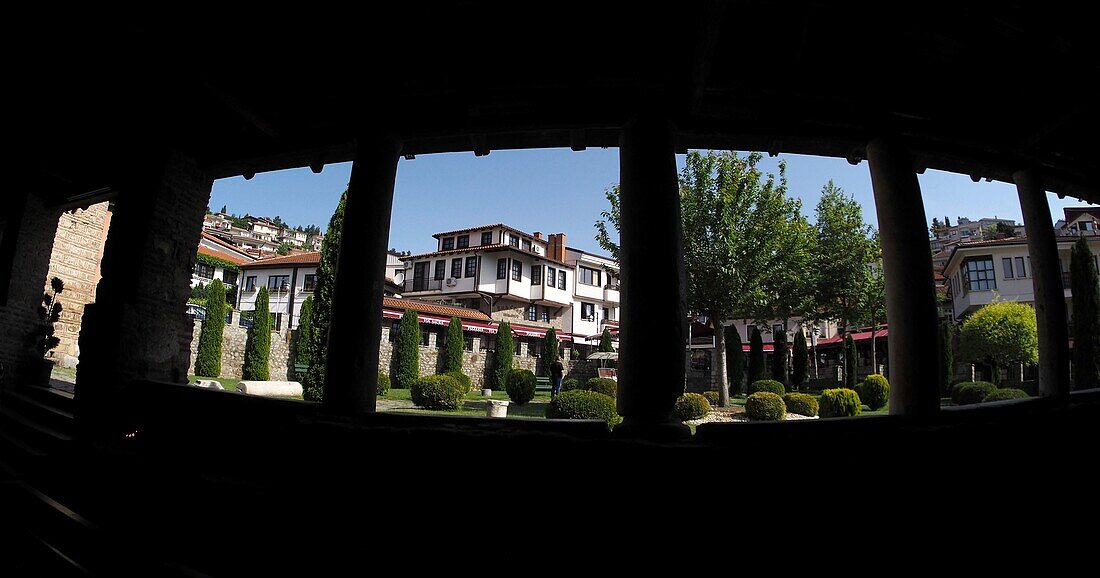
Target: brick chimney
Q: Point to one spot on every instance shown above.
(556, 247)
(538, 236)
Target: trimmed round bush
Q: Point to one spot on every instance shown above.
(520, 386)
(712, 397)
(839, 402)
(874, 391)
(383, 384)
(1007, 393)
(602, 385)
(971, 392)
(583, 404)
(441, 392)
(570, 383)
(800, 403)
(765, 406)
(461, 378)
(769, 385)
(691, 406)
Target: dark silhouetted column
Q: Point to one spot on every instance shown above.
(654, 321)
(355, 330)
(910, 292)
(1046, 277)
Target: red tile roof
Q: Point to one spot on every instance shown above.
(236, 250)
(484, 227)
(486, 248)
(223, 256)
(434, 308)
(300, 260)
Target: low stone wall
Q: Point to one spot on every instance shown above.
(234, 338)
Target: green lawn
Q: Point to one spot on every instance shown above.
(228, 383)
(475, 404)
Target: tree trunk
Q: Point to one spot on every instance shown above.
(874, 350)
(719, 364)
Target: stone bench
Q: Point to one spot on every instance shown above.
(271, 388)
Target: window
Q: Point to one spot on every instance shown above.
(448, 243)
(517, 270)
(588, 311)
(440, 269)
(471, 266)
(487, 238)
(527, 246)
(513, 241)
(551, 274)
(590, 276)
(463, 241)
(561, 280)
(776, 330)
(424, 337)
(310, 284)
(606, 314)
(532, 313)
(1020, 271)
(536, 274)
(502, 268)
(488, 342)
(278, 283)
(978, 273)
(394, 328)
(456, 267)
(467, 342)
(229, 277)
(545, 315)
(205, 271)
(440, 339)
(1006, 264)
(250, 283)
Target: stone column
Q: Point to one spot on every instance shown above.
(1046, 277)
(910, 293)
(137, 328)
(351, 374)
(653, 320)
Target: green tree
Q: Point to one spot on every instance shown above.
(800, 360)
(225, 209)
(284, 248)
(842, 255)
(1000, 334)
(208, 361)
(947, 358)
(779, 357)
(851, 369)
(258, 346)
(1085, 286)
(455, 344)
(735, 360)
(605, 341)
(871, 308)
(322, 305)
(303, 339)
(506, 348)
(610, 217)
(736, 231)
(550, 348)
(756, 357)
(406, 351)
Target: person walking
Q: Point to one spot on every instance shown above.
(556, 372)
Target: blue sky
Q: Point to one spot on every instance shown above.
(558, 190)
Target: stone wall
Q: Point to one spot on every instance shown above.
(515, 312)
(234, 338)
(77, 249)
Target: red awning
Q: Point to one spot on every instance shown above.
(475, 326)
(860, 336)
(768, 348)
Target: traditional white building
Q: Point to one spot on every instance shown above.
(218, 260)
(1079, 221)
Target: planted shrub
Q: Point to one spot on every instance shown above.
(383, 384)
(439, 392)
(258, 345)
(712, 397)
(520, 386)
(769, 385)
(570, 383)
(502, 364)
(874, 391)
(800, 403)
(208, 361)
(582, 404)
(765, 406)
(691, 406)
(971, 392)
(406, 351)
(602, 385)
(452, 360)
(1007, 393)
(839, 402)
(461, 378)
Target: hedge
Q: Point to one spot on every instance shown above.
(769, 385)
(439, 392)
(712, 397)
(801, 404)
(383, 384)
(1007, 393)
(461, 378)
(570, 383)
(691, 406)
(606, 386)
(582, 404)
(874, 391)
(765, 406)
(520, 386)
(839, 402)
(971, 392)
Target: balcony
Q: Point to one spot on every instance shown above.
(414, 285)
(611, 292)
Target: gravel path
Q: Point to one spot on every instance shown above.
(735, 413)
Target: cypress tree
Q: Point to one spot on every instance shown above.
(550, 350)
(455, 343)
(1085, 286)
(208, 362)
(801, 360)
(322, 305)
(503, 358)
(947, 357)
(605, 341)
(406, 352)
(735, 360)
(303, 339)
(756, 357)
(850, 370)
(258, 347)
(779, 357)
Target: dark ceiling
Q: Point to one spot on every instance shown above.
(977, 89)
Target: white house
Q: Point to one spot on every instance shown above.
(595, 303)
(289, 281)
(217, 259)
(1079, 221)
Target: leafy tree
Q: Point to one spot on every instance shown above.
(947, 361)
(258, 347)
(406, 351)
(1086, 316)
(946, 222)
(506, 348)
(779, 357)
(800, 360)
(851, 369)
(735, 360)
(610, 217)
(605, 341)
(936, 226)
(208, 361)
(871, 308)
(284, 248)
(756, 357)
(842, 255)
(550, 348)
(455, 344)
(1000, 334)
(303, 341)
(322, 306)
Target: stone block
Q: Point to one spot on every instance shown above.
(271, 388)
